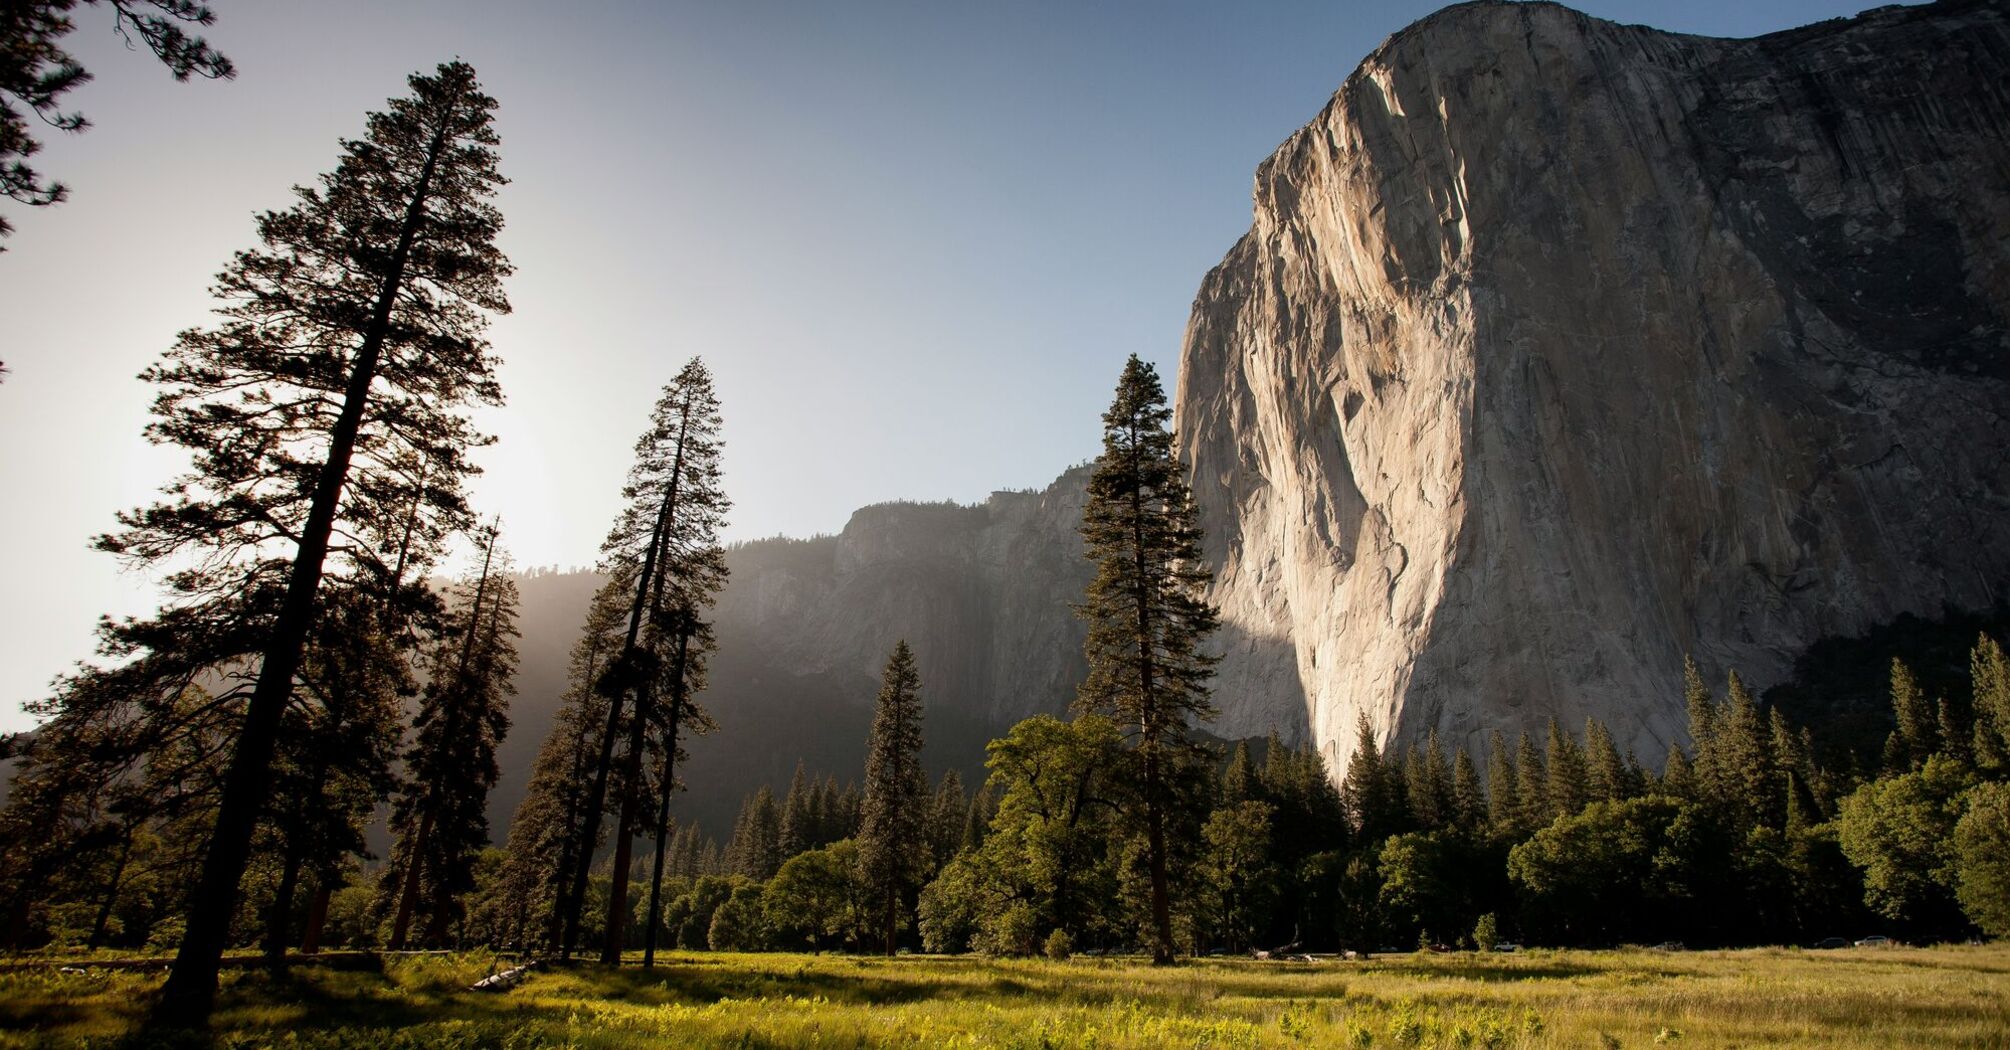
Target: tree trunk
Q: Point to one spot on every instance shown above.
(596, 800)
(111, 893)
(408, 894)
(652, 569)
(279, 917)
(190, 992)
(669, 784)
(317, 917)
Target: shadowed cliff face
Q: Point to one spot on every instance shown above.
(1558, 348)
(984, 594)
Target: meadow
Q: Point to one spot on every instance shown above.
(1894, 997)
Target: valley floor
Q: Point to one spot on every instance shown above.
(1950, 996)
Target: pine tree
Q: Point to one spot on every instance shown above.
(1989, 675)
(441, 815)
(699, 575)
(1367, 789)
(946, 813)
(798, 818)
(1915, 715)
(891, 839)
(1569, 779)
(1427, 784)
(37, 72)
(1504, 807)
(1679, 778)
(664, 547)
(1704, 765)
(755, 848)
(350, 339)
(977, 823)
(1238, 779)
(1531, 786)
(1469, 797)
(1610, 779)
(1749, 769)
(1146, 619)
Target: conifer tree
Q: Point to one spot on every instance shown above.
(1469, 797)
(1609, 777)
(1238, 779)
(946, 813)
(1704, 767)
(1678, 778)
(977, 823)
(349, 344)
(755, 848)
(669, 526)
(1367, 791)
(1915, 715)
(441, 818)
(1569, 780)
(892, 843)
(1146, 618)
(1503, 787)
(1750, 772)
(1989, 676)
(1531, 786)
(544, 837)
(798, 819)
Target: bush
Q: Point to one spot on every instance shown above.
(1486, 934)
(1060, 945)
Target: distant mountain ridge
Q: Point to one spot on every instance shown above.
(983, 593)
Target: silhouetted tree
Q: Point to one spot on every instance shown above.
(664, 545)
(441, 819)
(892, 846)
(1145, 614)
(544, 835)
(349, 345)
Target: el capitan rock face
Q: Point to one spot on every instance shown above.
(1558, 348)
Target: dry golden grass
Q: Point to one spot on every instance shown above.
(1898, 997)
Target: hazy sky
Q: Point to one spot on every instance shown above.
(915, 241)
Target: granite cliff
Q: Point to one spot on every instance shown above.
(1559, 348)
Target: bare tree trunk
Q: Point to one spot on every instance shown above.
(669, 785)
(111, 892)
(317, 916)
(408, 893)
(278, 919)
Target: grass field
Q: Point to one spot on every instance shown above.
(1954, 996)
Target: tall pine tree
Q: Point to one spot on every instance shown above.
(664, 546)
(441, 818)
(1147, 619)
(893, 827)
(349, 340)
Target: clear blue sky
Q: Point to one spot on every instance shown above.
(916, 240)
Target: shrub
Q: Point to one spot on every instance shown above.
(1486, 933)
(1059, 945)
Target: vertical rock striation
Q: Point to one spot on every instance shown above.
(1559, 348)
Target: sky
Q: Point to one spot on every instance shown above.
(915, 241)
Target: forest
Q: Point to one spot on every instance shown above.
(204, 790)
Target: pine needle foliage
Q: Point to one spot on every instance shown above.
(893, 845)
(1146, 615)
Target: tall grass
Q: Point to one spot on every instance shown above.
(1953, 996)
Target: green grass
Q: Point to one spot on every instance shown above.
(1952, 996)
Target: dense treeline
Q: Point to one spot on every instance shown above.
(1740, 838)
